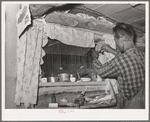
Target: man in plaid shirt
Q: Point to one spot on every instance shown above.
(126, 68)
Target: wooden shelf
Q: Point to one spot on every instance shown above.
(72, 84)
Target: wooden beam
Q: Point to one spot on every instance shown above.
(55, 84)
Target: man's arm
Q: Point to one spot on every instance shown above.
(108, 70)
(107, 48)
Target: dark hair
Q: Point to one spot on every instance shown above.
(124, 30)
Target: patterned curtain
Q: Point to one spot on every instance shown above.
(70, 35)
(29, 59)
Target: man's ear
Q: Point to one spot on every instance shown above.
(121, 41)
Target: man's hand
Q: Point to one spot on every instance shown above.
(86, 71)
(107, 48)
(99, 45)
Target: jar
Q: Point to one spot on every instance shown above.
(72, 78)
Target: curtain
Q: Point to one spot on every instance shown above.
(29, 59)
(30, 53)
(70, 35)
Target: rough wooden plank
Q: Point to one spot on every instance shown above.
(72, 84)
(60, 89)
(37, 10)
(92, 106)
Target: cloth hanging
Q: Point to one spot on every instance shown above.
(29, 58)
(69, 35)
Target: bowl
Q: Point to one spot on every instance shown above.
(86, 79)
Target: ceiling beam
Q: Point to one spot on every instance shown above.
(98, 6)
(137, 20)
(100, 14)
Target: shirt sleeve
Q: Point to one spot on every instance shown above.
(108, 70)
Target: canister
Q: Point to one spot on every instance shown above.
(64, 77)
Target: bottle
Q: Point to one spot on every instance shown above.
(53, 98)
(82, 99)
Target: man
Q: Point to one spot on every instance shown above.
(127, 67)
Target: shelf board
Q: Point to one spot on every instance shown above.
(71, 84)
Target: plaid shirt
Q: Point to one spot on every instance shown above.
(129, 72)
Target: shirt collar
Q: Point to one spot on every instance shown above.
(131, 49)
